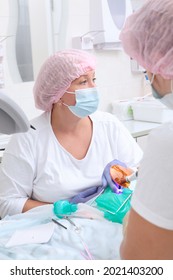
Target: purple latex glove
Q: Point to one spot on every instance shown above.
(86, 195)
(91, 192)
(106, 177)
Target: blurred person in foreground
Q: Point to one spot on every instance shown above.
(148, 38)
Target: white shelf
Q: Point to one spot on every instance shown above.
(140, 128)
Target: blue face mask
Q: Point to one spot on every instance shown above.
(87, 101)
(167, 100)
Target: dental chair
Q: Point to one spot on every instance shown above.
(12, 117)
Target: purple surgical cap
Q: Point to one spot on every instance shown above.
(57, 73)
(147, 37)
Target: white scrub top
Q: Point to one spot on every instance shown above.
(36, 166)
(153, 195)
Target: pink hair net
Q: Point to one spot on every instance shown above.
(57, 74)
(148, 37)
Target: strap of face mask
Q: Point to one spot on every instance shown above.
(152, 79)
(71, 92)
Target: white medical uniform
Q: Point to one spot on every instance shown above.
(153, 195)
(36, 166)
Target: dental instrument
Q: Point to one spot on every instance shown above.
(59, 224)
(131, 177)
(125, 201)
(77, 230)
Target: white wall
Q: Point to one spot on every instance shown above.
(114, 76)
(41, 37)
(8, 23)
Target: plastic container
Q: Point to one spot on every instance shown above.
(151, 111)
(122, 109)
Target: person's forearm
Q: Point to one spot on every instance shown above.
(30, 203)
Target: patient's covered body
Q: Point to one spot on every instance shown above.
(101, 237)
